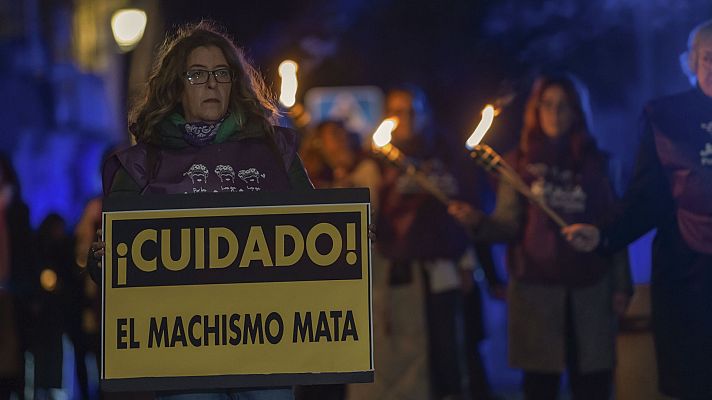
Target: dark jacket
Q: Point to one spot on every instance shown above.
(669, 183)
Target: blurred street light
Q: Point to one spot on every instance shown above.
(128, 26)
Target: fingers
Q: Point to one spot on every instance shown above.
(372, 232)
(582, 237)
(457, 208)
(462, 212)
(97, 249)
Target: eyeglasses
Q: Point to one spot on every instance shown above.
(201, 76)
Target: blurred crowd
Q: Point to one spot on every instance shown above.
(46, 299)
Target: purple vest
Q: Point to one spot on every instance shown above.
(682, 129)
(245, 165)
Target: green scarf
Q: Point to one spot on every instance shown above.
(233, 123)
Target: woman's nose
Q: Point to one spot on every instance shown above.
(212, 81)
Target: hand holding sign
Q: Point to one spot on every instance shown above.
(97, 247)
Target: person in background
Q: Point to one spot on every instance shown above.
(671, 191)
(86, 332)
(341, 159)
(16, 260)
(205, 114)
(417, 236)
(56, 305)
(86, 335)
(337, 161)
(562, 305)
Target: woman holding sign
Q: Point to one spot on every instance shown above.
(205, 125)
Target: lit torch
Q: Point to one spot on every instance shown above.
(494, 164)
(382, 145)
(288, 92)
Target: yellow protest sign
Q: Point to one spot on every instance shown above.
(233, 290)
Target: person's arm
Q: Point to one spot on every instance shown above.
(484, 255)
(367, 174)
(646, 201)
(505, 222)
(298, 177)
(84, 231)
(622, 282)
(122, 184)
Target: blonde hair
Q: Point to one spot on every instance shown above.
(688, 59)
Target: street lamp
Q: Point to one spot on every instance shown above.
(128, 26)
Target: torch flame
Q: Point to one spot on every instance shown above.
(488, 114)
(288, 91)
(382, 135)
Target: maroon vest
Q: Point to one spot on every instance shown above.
(245, 165)
(682, 129)
(580, 194)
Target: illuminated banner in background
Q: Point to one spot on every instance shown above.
(243, 290)
(359, 107)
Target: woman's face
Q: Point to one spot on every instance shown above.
(556, 113)
(703, 69)
(207, 101)
(335, 146)
(400, 104)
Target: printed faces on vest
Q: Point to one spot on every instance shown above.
(224, 180)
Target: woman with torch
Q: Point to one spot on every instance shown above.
(420, 239)
(562, 304)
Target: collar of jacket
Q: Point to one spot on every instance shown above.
(234, 128)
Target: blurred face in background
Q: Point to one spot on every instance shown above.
(556, 113)
(703, 65)
(335, 146)
(207, 101)
(400, 104)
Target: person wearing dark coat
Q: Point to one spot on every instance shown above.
(16, 280)
(671, 191)
(417, 236)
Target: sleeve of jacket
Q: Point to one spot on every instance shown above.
(645, 202)
(298, 177)
(121, 185)
(622, 279)
(505, 222)
(484, 254)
